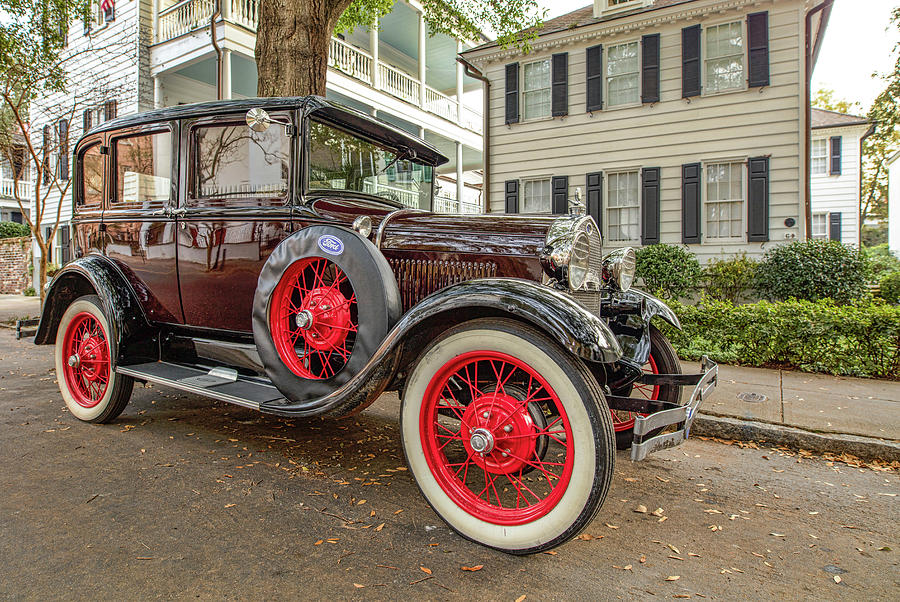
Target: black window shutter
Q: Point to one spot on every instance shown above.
(62, 134)
(48, 232)
(512, 93)
(559, 194)
(649, 205)
(560, 89)
(511, 196)
(594, 200)
(690, 203)
(758, 33)
(65, 245)
(650, 68)
(690, 61)
(835, 166)
(86, 120)
(45, 154)
(758, 201)
(594, 70)
(834, 226)
(111, 109)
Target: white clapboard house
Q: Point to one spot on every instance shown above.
(137, 55)
(682, 121)
(835, 151)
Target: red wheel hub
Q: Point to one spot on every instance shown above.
(624, 420)
(481, 442)
(86, 356)
(313, 318)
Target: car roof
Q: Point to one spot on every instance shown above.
(338, 114)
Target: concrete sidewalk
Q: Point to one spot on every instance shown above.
(812, 411)
(13, 307)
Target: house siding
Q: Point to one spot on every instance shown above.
(726, 126)
(840, 193)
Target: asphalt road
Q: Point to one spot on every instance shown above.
(183, 497)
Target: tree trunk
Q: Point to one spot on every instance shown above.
(292, 42)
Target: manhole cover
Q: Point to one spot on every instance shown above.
(752, 397)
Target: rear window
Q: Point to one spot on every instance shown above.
(90, 165)
(232, 162)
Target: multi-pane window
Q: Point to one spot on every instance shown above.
(91, 192)
(724, 200)
(536, 197)
(623, 74)
(144, 169)
(235, 161)
(819, 156)
(536, 90)
(623, 212)
(820, 225)
(724, 57)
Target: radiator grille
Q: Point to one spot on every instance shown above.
(418, 278)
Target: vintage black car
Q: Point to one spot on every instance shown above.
(280, 254)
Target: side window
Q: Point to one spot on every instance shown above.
(233, 162)
(143, 170)
(90, 166)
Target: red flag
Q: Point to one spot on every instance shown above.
(107, 5)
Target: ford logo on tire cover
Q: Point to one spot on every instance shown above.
(331, 244)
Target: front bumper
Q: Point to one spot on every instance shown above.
(660, 414)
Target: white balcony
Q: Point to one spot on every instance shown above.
(359, 61)
(9, 189)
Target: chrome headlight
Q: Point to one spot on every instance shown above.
(618, 268)
(570, 244)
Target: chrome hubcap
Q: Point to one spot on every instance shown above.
(304, 319)
(482, 441)
(74, 360)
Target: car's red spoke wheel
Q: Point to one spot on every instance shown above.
(623, 420)
(483, 445)
(313, 318)
(87, 364)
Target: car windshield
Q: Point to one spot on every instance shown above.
(339, 160)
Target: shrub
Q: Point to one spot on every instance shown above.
(730, 279)
(890, 287)
(30, 292)
(815, 336)
(813, 270)
(881, 260)
(668, 271)
(13, 230)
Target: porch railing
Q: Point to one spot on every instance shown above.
(8, 189)
(444, 204)
(185, 17)
(189, 15)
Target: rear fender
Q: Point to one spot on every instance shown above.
(96, 275)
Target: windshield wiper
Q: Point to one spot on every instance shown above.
(403, 154)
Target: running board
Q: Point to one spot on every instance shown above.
(223, 384)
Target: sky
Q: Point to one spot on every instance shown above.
(857, 25)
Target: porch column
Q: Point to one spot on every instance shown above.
(422, 67)
(158, 100)
(373, 43)
(225, 9)
(226, 74)
(460, 81)
(154, 15)
(460, 185)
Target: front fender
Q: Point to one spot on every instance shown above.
(655, 307)
(552, 312)
(132, 336)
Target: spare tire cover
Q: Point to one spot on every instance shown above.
(378, 303)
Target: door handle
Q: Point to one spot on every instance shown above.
(177, 212)
(163, 211)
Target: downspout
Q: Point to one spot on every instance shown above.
(859, 219)
(217, 13)
(810, 54)
(474, 73)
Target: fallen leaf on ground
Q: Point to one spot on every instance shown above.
(673, 577)
(611, 526)
(319, 542)
(358, 585)
(379, 527)
(520, 598)
(229, 505)
(641, 509)
(477, 567)
(837, 579)
(425, 570)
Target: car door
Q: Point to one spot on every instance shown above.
(140, 230)
(235, 209)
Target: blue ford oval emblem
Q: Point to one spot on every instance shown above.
(331, 244)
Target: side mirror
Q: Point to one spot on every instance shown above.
(258, 120)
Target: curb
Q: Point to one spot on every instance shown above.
(864, 448)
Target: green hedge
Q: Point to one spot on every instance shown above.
(814, 336)
(13, 230)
